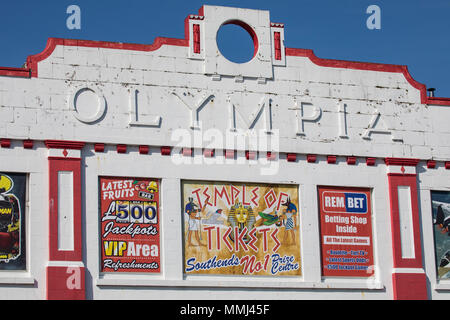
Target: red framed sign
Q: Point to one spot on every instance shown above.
(346, 232)
(130, 229)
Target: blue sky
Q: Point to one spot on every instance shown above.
(413, 33)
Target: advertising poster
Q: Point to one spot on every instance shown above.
(440, 203)
(241, 229)
(12, 221)
(346, 232)
(130, 229)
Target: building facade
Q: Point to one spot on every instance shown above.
(167, 171)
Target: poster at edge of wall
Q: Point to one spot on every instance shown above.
(12, 221)
(440, 205)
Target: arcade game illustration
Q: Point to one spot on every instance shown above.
(12, 235)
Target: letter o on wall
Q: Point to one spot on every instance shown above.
(87, 105)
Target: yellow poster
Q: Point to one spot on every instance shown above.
(241, 229)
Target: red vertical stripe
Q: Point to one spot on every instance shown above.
(66, 278)
(277, 41)
(406, 285)
(196, 38)
(55, 166)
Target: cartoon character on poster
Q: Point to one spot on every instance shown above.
(441, 221)
(241, 217)
(10, 221)
(290, 221)
(241, 229)
(195, 221)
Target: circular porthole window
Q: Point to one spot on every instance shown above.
(237, 41)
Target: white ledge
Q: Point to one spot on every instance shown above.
(25, 279)
(139, 282)
(442, 286)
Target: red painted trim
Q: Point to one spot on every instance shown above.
(277, 40)
(291, 157)
(196, 31)
(15, 72)
(229, 154)
(65, 159)
(370, 161)
(250, 155)
(186, 29)
(431, 164)
(381, 67)
(401, 174)
(5, 143)
(311, 158)
(99, 147)
(201, 11)
(271, 155)
(32, 61)
(121, 148)
(65, 283)
(331, 159)
(351, 160)
(28, 144)
(401, 162)
(438, 101)
(165, 151)
(144, 149)
(409, 286)
(187, 152)
(60, 144)
(409, 180)
(56, 165)
(208, 153)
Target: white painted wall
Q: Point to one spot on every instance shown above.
(40, 109)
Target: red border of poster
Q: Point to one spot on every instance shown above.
(130, 228)
(346, 232)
